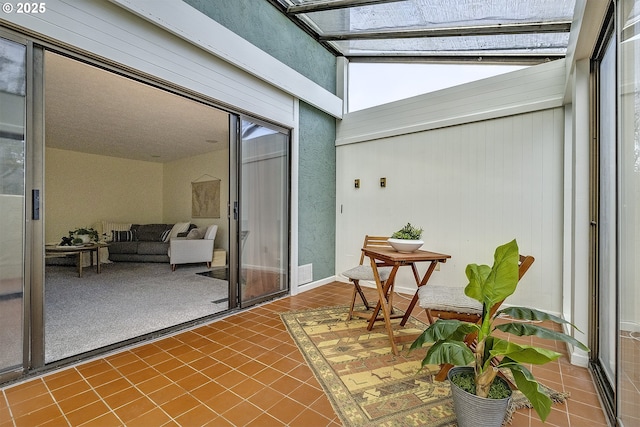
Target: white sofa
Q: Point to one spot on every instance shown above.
(187, 250)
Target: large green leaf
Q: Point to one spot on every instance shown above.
(523, 353)
(477, 275)
(531, 389)
(453, 352)
(528, 329)
(524, 313)
(502, 277)
(444, 330)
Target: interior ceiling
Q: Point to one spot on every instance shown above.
(495, 31)
(94, 111)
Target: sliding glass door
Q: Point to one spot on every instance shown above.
(13, 59)
(256, 237)
(263, 212)
(607, 241)
(628, 314)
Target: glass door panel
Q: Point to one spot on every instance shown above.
(607, 213)
(12, 202)
(629, 202)
(263, 221)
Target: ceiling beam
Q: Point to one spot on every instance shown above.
(458, 59)
(321, 6)
(476, 30)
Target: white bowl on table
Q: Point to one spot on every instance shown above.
(404, 245)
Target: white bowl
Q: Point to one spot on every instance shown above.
(405, 246)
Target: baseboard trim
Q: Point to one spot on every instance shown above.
(316, 284)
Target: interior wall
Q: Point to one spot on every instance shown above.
(471, 187)
(82, 189)
(179, 175)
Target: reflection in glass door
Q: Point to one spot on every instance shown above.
(263, 223)
(12, 203)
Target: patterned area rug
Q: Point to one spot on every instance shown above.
(368, 385)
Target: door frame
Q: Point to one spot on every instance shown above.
(33, 234)
(238, 211)
(606, 389)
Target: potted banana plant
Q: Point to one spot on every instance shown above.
(492, 354)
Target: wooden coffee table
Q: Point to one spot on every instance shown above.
(52, 251)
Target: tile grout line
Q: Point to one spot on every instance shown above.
(6, 401)
(56, 402)
(84, 378)
(123, 375)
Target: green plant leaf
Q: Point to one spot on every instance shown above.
(408, 232)
(477, 275)
(528, 329)
(523, 353)
(524, 313)
(453, 352)
(531, 389)
(444, 330)
(502, 277)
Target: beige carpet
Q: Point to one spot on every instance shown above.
(126, 300)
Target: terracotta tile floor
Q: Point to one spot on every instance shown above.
(240, 370)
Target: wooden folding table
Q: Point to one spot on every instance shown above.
(395, 259)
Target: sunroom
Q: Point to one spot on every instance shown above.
(546, 154)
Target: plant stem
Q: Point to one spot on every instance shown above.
(484, 380)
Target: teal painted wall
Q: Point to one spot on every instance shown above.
(261, 24)
(317, 194)
(258, 22)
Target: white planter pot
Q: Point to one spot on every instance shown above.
(85, 237)
(405, 246)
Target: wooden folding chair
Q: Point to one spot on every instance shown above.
(444, 302)
(365, 272)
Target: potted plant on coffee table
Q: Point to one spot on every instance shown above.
(83, 235)
(407, 239)
(491, 354)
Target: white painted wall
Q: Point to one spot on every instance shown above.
(471, 186)
(177, 177)
(577, 290)
(84, 189)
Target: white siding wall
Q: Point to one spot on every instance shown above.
(471, 187)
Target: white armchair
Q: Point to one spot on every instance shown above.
(183, 250)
